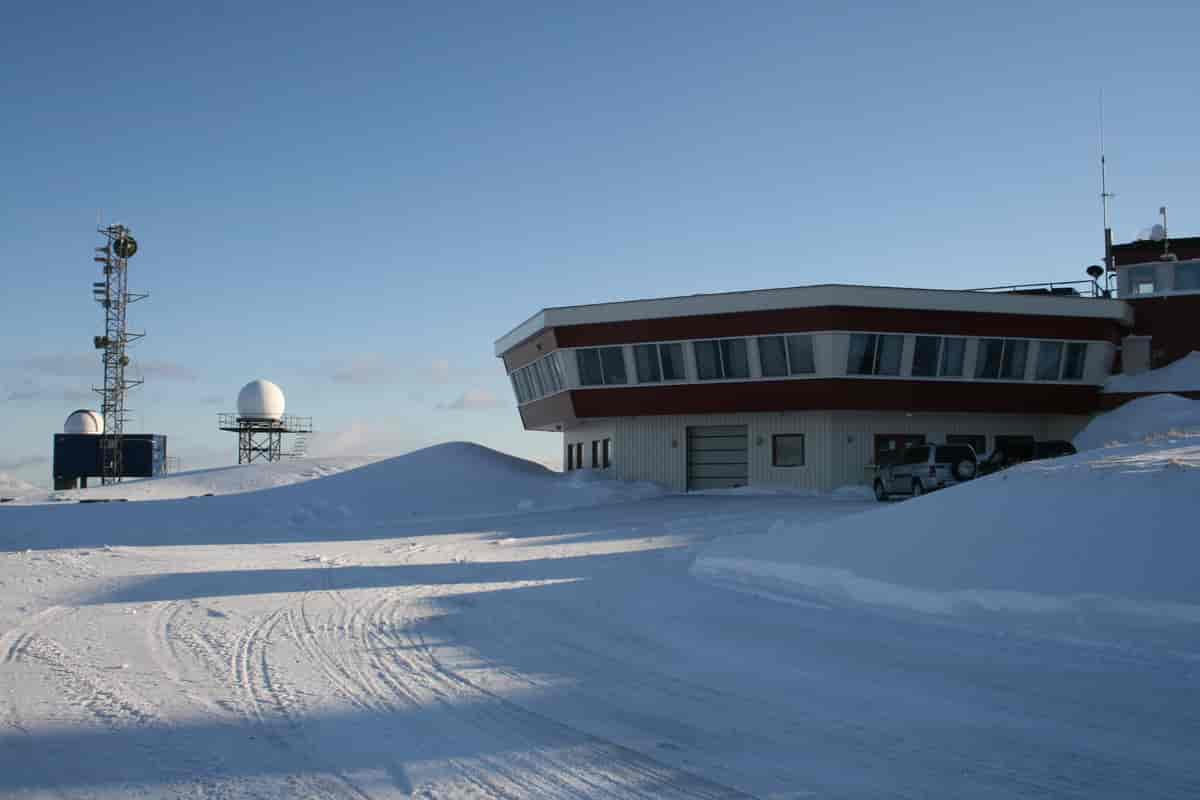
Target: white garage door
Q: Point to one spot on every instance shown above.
(717, 457)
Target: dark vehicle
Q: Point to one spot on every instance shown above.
(1019, 451)
(924, 468)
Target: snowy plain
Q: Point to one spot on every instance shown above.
(459, 623)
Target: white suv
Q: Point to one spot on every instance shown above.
(925, 467)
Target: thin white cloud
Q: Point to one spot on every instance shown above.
(472, 400)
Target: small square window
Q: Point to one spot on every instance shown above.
(787, 450)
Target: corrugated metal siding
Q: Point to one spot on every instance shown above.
(839, 446)
(655, 448)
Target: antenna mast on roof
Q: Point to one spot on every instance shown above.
(1105, 196)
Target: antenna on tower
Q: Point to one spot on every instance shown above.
(113, 294)
(1105, 197)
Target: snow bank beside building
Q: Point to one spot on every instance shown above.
(1182, 375)
(1156, 416)
(1109, 532)
(450, 480)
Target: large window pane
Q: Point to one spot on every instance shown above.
(925, 357)
(735, 358)
(1049, 360)
(554, 372)
(1016, 353)
(772, 354)
(890, 348)
(787, 450)
(539, 389)
(672, 362)
(1142, 280)
(708, 361)
(526, 383)
(1074, 362)
(613, 361)
(590, 373)
(987, 362)
(800, 353)
(1187, 276)
(952, 357)
(646, 356)
(516, 388)
(862, 354)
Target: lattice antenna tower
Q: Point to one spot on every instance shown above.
(114, 295)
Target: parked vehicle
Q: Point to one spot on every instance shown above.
(924, 468)
(1021, 451)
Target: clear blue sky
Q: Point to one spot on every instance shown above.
(356, 202)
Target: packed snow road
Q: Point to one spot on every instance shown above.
(537, 654)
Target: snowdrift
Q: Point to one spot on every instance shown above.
(450, 480)
(1108, 533)
(1157, 416)
(1181, 375)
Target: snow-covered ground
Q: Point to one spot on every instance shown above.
(457, 623)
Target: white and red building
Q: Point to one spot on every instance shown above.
(804, 387)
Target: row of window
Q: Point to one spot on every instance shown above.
(1144, 280)
(601, 454)
(783, 356)
(542, 377)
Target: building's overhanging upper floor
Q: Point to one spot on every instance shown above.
(758, 311)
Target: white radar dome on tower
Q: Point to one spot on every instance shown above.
(260, 400)
(84, 421)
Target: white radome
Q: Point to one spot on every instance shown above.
(84, 421)
(260, 400)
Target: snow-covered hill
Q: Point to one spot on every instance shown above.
(457, 479)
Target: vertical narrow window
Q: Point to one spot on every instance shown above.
(953, 348)
(526, 383)
(772, 356)
(555, 367)
(800, 354)
(590, 373)
(607, 456)
(708, 361)
(570, 457)
(861, 360)
(612, 359)
(516, 388)
(1012, 365)
(1075, 361)
(734, 358)
(595, 453)
(672, 362)
(1048, 361)
(536, 379)
(579, 455)
(987, 362)
(925, 357)
(645, 357)
(890, 349)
